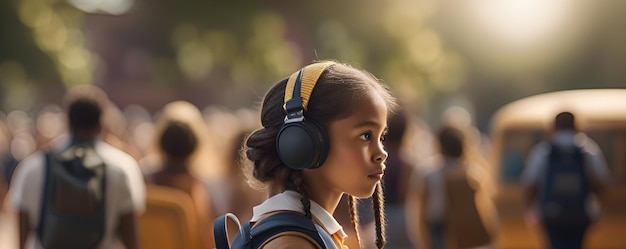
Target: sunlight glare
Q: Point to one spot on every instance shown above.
(521, 22)
(113, 7)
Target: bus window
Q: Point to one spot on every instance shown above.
(612, 143)
(516, 146)
(518, 143)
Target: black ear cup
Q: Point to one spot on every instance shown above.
(302, 145)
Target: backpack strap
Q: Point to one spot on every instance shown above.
(284, 222)
(220, 230)
(47, 187)
(329, 243)
(255, 236)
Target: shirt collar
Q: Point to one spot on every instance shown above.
(290, 201)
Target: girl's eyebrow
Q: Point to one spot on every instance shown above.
(367, 123)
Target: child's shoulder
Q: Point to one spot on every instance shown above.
(289, 240)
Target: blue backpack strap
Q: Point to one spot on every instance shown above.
(259, 233)
(220, 230)
(47, 186)
(242, 239)
(284, 222)
(329, 243)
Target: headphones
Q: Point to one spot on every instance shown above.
(302, 144)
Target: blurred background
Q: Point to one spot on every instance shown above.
(448, 60)
(476, 54)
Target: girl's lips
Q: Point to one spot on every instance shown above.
(377, 175)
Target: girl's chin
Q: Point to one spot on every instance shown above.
(364, 194)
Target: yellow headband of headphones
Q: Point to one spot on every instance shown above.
(310, 75)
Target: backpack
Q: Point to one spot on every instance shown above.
(72, 213)
(565, 189)
(463, 224)
(254, 236)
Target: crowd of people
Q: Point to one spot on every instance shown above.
(436, 191)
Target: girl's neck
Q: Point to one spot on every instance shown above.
(328, 201)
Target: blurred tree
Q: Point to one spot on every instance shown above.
(22, 64)
(228, 52)
(216, 52)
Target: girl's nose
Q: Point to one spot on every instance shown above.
(381, 155)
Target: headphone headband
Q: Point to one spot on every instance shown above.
(306, 78)
(302, 144)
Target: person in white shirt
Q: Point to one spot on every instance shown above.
(124, 185)
(565, 136)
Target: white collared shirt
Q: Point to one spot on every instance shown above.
(290, 201)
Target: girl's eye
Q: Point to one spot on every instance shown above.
(366, 136)
(384, 136)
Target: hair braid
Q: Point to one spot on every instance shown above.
(354, 217)
(379, 215)
(298, 181)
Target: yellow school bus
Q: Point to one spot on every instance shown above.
(519, 125)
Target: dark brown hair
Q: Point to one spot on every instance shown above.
(178, 140)
(450, 141)
(564, 121)
(85, 105)
(336, 95)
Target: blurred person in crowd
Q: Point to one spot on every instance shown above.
(4, 153)
(185, 112)
(476, 146)
(21, 143)
(124, 189)
(568, 162)
(179, 141)
(232, 193)
(448, 207)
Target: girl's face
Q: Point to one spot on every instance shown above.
(355, 162)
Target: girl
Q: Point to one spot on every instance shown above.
(321, 138)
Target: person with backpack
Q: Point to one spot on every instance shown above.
(449, 207)
(84, 195)
(562, 179)
(322, 138)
